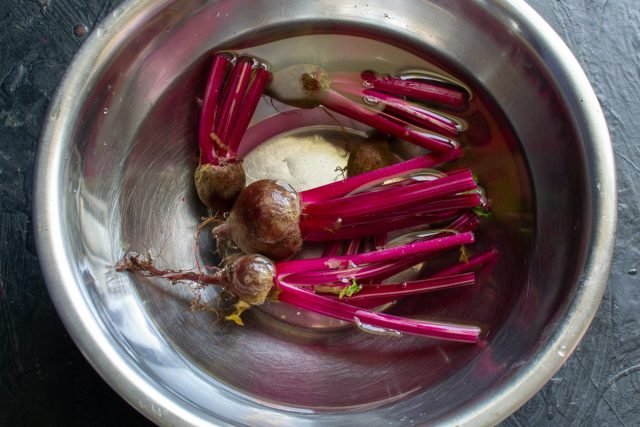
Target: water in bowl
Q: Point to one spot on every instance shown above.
(304, 351)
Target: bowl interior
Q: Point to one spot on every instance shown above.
(126, 184)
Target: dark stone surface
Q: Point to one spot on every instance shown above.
(44, 380)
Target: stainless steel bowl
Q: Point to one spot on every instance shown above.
(114, 173)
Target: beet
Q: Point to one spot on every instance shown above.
(264, 220)
(372, 153)
(250, 278)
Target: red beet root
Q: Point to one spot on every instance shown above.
(371, 154)
(264, 220)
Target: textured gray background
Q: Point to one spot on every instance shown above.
(44, 380)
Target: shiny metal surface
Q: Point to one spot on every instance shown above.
(114, 173)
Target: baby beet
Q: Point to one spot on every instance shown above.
(265, 220)
(271, 218)
(250, 278)
(373, 153)
(219, 185)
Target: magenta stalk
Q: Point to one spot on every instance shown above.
(221, 62)
(429, 92)
(434, 142)
(365, 318)
(369, 179)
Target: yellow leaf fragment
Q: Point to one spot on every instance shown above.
(240, 307)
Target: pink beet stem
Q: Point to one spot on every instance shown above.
(247, 108)
(417, 115)
(346, 186)
(336, 309)
(353, 246)
(354, 231)
(394, 291)
(208, 148)
(462, 224)
(295, 266)
(430, 92)
(323, 229)
(399, 107)
(466, 222)
(234, 94)
(445, 331)
(338, 103)
(326, 229)
(474, 262)
(391, 199)
(372, 274)
(337, 277)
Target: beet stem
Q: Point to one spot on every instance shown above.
(401, 108)
(247, 108)
(235, 89)
(420, 214)
(449, 96)
(337, 277)
(380, 240)
(208, 148)
(393, 291)
(340, 104)
(486, 258)
(347, 186)
(391, 199)
(333, 249)
(384, 255)
(364, 318)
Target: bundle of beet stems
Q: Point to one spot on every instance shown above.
(269, 221)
